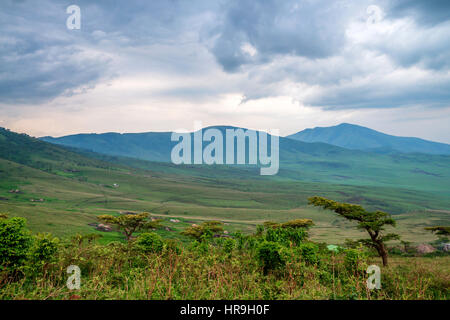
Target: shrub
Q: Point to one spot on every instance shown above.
(15, 241)
(269, 256)
(150, 242)
(309, 252)
(173, 246)
(229, 245)
(355, 260)
(286, 236)
(44, 248)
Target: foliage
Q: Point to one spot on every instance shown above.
(15, 241)
(269, 256)
(150, 242)
(228, 245)
(309, 252)
(209, 270)
(204, 231)
(130, 223)
(355, 260)
(42, 251)
(372, 222)
(440, 230)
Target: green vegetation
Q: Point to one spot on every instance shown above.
(440, 230)
(224, 232)
(128, 224)
(372, 222)
(76, 189)
(275, 263)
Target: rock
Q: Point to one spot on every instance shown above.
(194, 225)
(225, 231)
(174, 220)
(168, 229)
(104, 227)
(425, 248)
(446, 247)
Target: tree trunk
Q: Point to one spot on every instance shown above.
(383, 253)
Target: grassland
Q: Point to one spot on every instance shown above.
(72, 200)
(78, 186)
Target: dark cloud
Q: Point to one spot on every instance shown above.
(313, 29)
(40, 59)
(293, 43)
(432, 93)
(429, 12)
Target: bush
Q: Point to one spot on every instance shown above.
(173, 246)
(269, 256)
(44, 248)
(355, 260)
(286, 236)
(309, 252)
(15, 241)
(150, 242)
(229, 245)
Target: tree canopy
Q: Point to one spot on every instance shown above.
(373, 222)
(130, 223)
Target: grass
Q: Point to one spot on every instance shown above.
(120, 272)
(74, 200)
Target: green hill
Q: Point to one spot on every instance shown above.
(77, 186)
(356, 137)
(300, 161)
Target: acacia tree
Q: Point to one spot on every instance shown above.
(372, 222)
(130, 223)
(440, 230)
(205, 230)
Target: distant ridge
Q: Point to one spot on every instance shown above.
(356, 137)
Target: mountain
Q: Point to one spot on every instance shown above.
(25, 150)
(157, 146)
(152, 146)
(299, 161)
(356, 137)
(62, 190)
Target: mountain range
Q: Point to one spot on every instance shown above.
(356, 137)
(156, 146)
(76, 183)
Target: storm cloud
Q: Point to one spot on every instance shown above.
(189, 56)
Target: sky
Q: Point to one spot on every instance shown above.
(163, 65)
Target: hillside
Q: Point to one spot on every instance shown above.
(299, 161)
(77, 187)
(356, 137)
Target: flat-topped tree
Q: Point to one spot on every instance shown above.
(443, 232)
(206, 230)
(440, 230)
(372, 222)
(130, 223)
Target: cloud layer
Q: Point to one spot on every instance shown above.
(174, 61)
